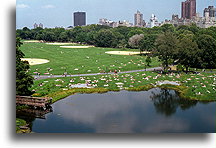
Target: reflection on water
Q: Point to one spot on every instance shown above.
(166, 102)
(152, 111)
(29, 114)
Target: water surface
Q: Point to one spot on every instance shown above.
(153, 111)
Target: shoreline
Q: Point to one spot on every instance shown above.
(181, 90)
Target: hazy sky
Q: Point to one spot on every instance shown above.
(53, 13)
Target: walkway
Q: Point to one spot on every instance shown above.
(92, 74)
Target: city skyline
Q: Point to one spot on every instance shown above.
(29, 12)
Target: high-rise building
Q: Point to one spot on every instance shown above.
(138, 19)
(188, 9)
(79, 18)
(35, 25)
(211, 10)
(154, 21)
(40, 25)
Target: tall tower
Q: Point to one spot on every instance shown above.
(138, 19)
(188, 9)
(35, 25)
(79, 18)
(40, 25)
(183, 11)
(211, 11)
(153, 21)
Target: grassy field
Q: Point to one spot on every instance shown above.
(94, 60)
(80, 61)
(194, 86)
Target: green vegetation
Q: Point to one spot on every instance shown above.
(21, 123)
(166, 41)
(83, 60)
(193, 86)
(189, 47)
(23, 79)
(62, 94)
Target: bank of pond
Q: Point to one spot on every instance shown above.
(192, 86)
(157, 110)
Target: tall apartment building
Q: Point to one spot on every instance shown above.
(79, 18)
(211, 10)
(38, 25)
(188, 9)
(35, 25)
(138, 19)
(154, 21)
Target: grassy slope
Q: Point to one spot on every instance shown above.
(89, 60)
(201, 86)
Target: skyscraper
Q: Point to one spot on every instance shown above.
(138, 19)
(188, 9)
(79, 18)
(40, 25)
(211, 10)
(35, 25)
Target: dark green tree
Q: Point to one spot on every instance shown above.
(207, 45)
(135, 31)
(166, 46)
(188, 52)
(48, 35)
(148, 60)
(167, 28)
(63, 37)
(23, 79)
(105, 38)
(148, 42)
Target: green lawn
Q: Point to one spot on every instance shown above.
(79, 61)
(94, 60)
(196, 86)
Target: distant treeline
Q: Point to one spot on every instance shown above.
(190, 46)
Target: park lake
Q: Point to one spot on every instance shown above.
(154, 111)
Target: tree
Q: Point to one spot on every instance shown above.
(48, 35)
(166, 47)
(207, 45)
(148, 42)
(193, 27)
(148, 60)
(135, 41)
(90, 37)
(105, 38)
(23, 79)
(188, 52)
(124, 31)
(135, 31)
(118, 40)
(167, 28)
(63, 37)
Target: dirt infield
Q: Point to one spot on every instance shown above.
(126, 52)
(76, 46)
(34, 61)
(57, 43)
